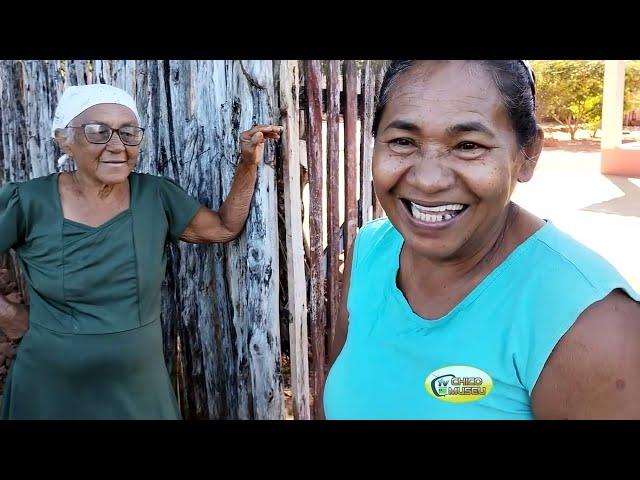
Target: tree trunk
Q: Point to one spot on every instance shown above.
(220, 302)
(573, 126)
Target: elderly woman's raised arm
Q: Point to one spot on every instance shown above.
(226, 224)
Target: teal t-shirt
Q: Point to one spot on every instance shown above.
(479, 361)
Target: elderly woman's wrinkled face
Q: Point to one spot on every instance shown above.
(446, 159)
(109, 163)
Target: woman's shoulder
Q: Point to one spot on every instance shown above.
(377, 230)
(33, 188)
(375, 240)
(153, 181)
(557, 281)
(145, 179)
(564, 257)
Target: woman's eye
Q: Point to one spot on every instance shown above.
(468, 146)
(470, 150)
(402, 142)
(402, 145)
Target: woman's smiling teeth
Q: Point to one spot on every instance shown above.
(435, 213)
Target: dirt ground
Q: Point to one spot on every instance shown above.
(557, 137)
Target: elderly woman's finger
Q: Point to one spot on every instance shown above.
(263, 128)
(275, 135)
(257, 138)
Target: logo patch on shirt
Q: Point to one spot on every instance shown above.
(458, 384)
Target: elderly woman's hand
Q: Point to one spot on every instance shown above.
(252, 142)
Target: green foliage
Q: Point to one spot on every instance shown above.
(632, 86)
(570, 91)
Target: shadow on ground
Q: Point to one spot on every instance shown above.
(627, 205)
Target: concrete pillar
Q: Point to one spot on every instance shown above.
(612, 103)
(616, 159)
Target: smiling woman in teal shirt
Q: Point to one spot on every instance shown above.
(461, 304)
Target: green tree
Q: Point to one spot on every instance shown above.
(570, 92)
(632, 86)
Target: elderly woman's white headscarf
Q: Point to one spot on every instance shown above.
(76, 100)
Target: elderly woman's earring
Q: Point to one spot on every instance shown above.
(64, 160)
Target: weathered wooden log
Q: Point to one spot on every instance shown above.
(334, 248)
(377, 208)
(314, 160)
(297, 291)
(367, 89)
(350, 165)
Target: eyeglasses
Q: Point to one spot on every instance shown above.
(101, 134)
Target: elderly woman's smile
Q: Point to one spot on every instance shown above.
(115, 162)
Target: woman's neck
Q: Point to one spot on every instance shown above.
(92, 188)
(476, 263)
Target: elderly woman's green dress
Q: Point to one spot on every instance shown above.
(93, 349)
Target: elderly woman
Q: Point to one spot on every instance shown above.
(92, 245)
(461, 304)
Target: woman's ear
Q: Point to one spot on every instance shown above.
(530, 154)
(63, 138)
